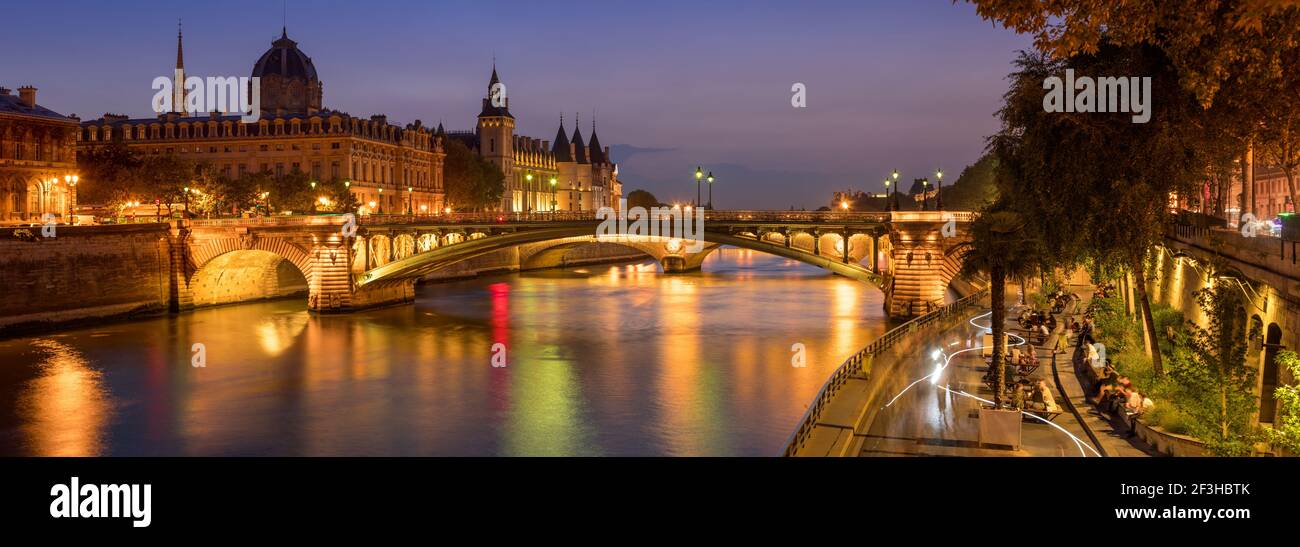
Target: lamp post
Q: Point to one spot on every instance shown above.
(895, 189)
(925, 194)
(381, 201)
(553, 182)
(528, 189)
(938, 194)
(410, 200)
(888, 206)
(699, 174)
(186, 212)
(710, 179)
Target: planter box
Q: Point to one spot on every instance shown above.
(1001, 427)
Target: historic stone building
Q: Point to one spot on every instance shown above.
(585, 177)
(38, 162)
(390, 168)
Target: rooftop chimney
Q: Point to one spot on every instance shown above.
(4, 90)
(27, 95)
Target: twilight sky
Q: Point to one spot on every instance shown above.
(906, 84)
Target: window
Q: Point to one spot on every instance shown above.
(243, 148)
(315, 146)
(243, 169)
(262, 148)
(279, 170)
(334, 170)
(315, 170)
(279, 147)
(212, 150)
(334, 146)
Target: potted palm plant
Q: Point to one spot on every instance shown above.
(1001, 247)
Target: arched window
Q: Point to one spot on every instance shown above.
(1269, 375)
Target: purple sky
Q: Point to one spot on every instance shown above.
(906, 84)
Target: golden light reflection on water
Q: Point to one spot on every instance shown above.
(620, 361)
(65, 407)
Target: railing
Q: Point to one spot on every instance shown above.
(795, 216)
(479, 218)
(1263, 246)
(829, 217)
(853, 366)
(932, 216)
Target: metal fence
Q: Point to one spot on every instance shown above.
(853, 366)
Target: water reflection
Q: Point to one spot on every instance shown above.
(601, 360)
(64, 408)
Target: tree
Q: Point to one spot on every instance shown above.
(164, 178)
(491, 184)
(1095, 186)
(108, 175)
(975, 187)
(1286, 429)
(641, 198)
(1001, 248)
(471, 182)
(1215, 383)
(1237, 57)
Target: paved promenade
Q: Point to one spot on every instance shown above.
(941, 419)
(1112, 440)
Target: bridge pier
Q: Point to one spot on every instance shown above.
(923, 260)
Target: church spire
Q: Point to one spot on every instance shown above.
(180, 55)
(178, 85)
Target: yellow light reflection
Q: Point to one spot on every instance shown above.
(66, 407)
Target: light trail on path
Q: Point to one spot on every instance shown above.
(947, 359)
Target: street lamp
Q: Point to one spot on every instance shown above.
(528, 189)
(895, 189)
(410, 199)
(381, 200)
(187, 202)
(925, 194)
(844, 205)
(888, 206)
(938, 194)
(553, 182)
(710, 179)
(699, 174)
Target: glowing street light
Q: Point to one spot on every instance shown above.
(710, 179)
(895, 189)
(938, 194)
(553, 183)
(699, 174)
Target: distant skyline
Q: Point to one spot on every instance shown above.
(907, 85)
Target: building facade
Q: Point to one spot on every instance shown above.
(566, 174)
(391, 169)
(38, 161)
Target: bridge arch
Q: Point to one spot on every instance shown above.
(242, 270)
(421, 264)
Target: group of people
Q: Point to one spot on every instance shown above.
(1060, 299)
(1040, 398)
(1117, 397)
(1039, 324)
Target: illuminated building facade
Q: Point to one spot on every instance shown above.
(389, 168)
(38, 160)
(585, 177)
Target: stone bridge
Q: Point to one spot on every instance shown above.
(911, 256)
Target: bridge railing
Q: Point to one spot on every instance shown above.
(796, 216)
(852, 366)
(479, 218)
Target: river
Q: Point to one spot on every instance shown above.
(607, 360)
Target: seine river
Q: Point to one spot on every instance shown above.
(608, 360)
